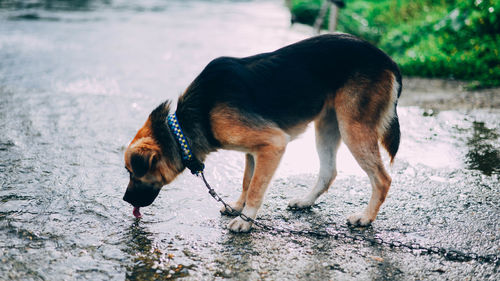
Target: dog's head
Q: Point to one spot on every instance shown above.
(151, 165)
(142, 161)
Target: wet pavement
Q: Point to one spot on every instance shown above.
(77, 81)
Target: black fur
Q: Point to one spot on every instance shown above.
(169, 144)
(286, 87)
(139, 164)
(392, 137)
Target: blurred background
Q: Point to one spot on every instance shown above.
(451, 39)
(457, 39)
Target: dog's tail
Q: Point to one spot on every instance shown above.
(392, 135)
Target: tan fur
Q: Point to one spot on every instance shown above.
(144, 131)
(144, 144)
(361, 128)
(266, 144)
(234, 133)
(358, 113)
(258, 104)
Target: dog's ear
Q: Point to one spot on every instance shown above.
(141, 163)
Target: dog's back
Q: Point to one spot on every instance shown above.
(291, 85)
(257, 104)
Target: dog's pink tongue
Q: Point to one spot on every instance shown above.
(137, 213)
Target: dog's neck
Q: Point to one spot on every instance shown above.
(189, 160)
(193, 113)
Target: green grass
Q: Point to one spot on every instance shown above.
(428, 38)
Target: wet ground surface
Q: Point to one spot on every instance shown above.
(76, 82)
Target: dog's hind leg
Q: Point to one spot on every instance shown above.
(364, 108)
(327, 144)
(363, 144)
(247, 176)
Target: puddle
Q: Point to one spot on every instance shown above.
(484, 152)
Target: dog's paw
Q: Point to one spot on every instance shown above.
(235, 206)
(359, 219)
(300, 203)
(239, 225)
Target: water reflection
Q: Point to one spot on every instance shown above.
(483, 155)
(151, 261)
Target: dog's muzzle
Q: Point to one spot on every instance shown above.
(140, 195)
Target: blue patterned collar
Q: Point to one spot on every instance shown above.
(188, 159)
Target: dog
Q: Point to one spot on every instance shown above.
(258, 104)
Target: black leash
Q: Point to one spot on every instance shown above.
(341, 233)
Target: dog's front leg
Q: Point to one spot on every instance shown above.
(267, 159)
(247, 177)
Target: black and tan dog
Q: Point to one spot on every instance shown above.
(258, 104)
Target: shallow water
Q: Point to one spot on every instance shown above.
(78, 80)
